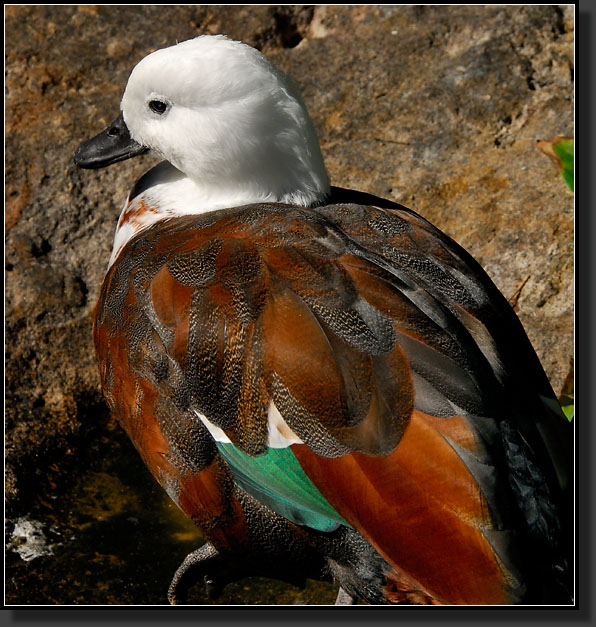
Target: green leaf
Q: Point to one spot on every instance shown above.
(561, 150)
(568, 407)
(566, 398)
(564, 149)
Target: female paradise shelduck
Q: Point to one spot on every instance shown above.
(325, 383)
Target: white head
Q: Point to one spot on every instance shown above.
(222, 114)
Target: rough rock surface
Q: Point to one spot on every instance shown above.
(436, 107)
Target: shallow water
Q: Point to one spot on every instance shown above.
(113, 537)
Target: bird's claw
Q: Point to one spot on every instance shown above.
(193, 569)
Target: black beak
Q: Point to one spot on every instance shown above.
(110, 146)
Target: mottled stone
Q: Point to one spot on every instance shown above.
(437, 107)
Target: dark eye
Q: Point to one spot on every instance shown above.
(157, 106)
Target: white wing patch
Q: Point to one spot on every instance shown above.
(280, 434)
(217, 433)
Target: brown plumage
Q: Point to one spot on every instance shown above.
(393, 358)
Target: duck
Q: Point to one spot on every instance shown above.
(325, 383)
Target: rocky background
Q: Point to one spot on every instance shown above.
(436, 107)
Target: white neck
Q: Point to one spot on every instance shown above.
(165, 192)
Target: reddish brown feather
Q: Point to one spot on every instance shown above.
(207, 498)
(131, 400)
(422, 509)
(299, 352)
(379, 292)
(172, 302)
